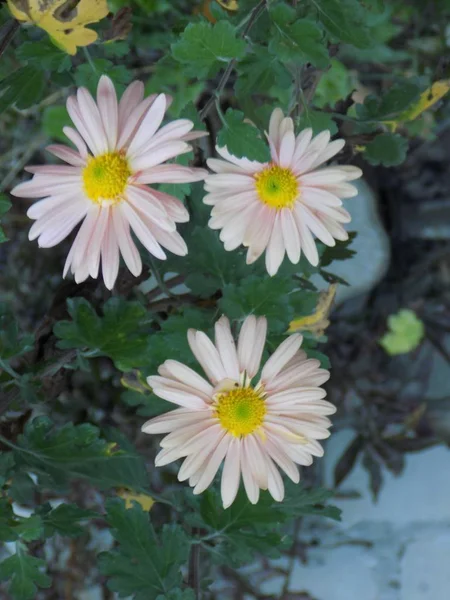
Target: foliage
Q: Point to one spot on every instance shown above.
(405, 332)
(74, 358)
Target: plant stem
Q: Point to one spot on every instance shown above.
(256, 12)
(194, 569)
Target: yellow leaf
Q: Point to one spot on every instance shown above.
(318, 321)
(231, 5)
(426, 99)
(133, 380)
(64, 20)
(143, 499)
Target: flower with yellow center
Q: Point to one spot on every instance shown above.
(255, 430)
(105, 177)
(278, 207)
(240, 411)
(120, 149)
(277, 187)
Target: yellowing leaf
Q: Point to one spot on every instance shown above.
(205, 8)
(143, 499)
(64, 20)
(429, 97)
(405, 333)
(133, 380)
(231, 5)
(318, 321)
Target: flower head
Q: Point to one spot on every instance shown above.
(279, 206)
(120, 148)
(255, 428)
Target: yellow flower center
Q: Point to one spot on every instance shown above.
(105, 177)
(277, 187)
(240, 411)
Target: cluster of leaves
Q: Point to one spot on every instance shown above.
(301, 56)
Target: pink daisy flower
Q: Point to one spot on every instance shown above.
(278, 206)
(120, 148)
(254, 428)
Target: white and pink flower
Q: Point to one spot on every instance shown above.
(254, 429)
(279, 206)
(120, 150)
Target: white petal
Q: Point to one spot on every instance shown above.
(231, 473)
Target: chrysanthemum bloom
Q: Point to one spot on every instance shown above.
(120, 149)
(279, 205)
(255, 429)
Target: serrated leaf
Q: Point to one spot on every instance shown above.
(386, 149)
(44, 55)
(405, 333)
(203, 45)
(297, 40)
(8, 521)
(120, 333)
(265, 297)
(242, 139)
(64, 21)
(345, 20)
(317, 120)
(394, 102)
(30, 529)
(25, 572)
(145, 565)
(65, 519)
(24, 88)
(88, 75)
(12, 342)
(58, 455)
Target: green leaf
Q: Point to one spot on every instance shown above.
(65, 519)
(120, 333)
(345, 20)
(259, 72)
(25, 573)
(395, 101)
(6, 464)
(299, 41)
(5, 205)
(341, 251)
(242, 139)
(246, 528)
(267, 297)
(44, 55)
(30, 529)
(178, 594)
(12, 343)
(203, 45)
(145, 564)
(318, 121)
(24, 88)
(54, 118)
(58, 455)
(22, 488)
(405, 333)
(88, 74)
(386, 149)
(8, 521)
